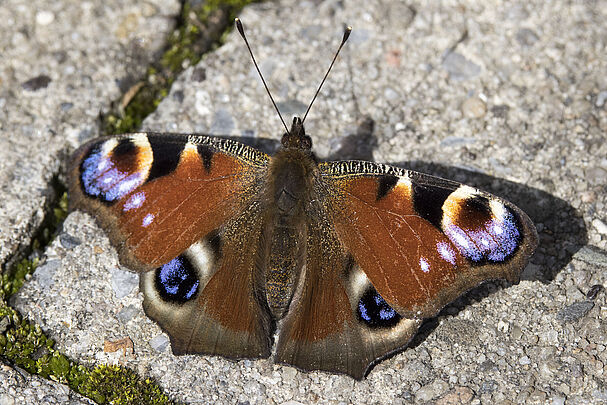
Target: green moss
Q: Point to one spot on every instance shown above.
(11, 281)
(13, 278)
(201, 28)
(25, 345)
(118, 385)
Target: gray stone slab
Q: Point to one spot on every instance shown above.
(19, 387)
(62, 64)
(539, 141)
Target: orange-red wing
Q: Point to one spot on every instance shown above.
(324, 328)
(423, 241)
(157, 194)
(210, 299)
(184, 210)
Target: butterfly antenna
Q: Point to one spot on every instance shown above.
(347, 32)
(241, 30)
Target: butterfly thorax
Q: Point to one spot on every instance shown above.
(290, 174)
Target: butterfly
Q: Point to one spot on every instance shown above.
(344, 258)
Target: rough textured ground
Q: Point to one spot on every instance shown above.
(62, 64)
(18, 387)
(507, 96)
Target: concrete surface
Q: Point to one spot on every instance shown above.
(61, 65)
(507, 96)
(19, 387)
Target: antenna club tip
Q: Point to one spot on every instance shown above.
(239, 26)
(347, 32)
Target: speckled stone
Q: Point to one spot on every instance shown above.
(63, 63)
(575, 311)
(541, 135)
(18, 387)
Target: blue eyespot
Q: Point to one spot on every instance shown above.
(374, 311)
(102, 177)
(495, 241)
(177, 281)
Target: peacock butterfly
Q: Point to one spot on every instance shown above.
(345, 258)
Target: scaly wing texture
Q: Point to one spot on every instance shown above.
(422, 240)
(210, 299)
(178, 207)
(394, 247)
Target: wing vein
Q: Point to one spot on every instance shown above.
(400, 247)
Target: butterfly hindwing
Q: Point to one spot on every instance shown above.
(335, 320)
(210, 299)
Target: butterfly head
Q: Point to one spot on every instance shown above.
(296, 138)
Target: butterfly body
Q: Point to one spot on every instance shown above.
(344, 258)
(283, 240)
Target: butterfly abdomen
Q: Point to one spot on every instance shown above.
(285, 232)
(282, 267)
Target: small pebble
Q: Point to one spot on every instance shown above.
(159, 342)
(558, 400)
(574, 311)
(390, 93)
(44, 17)
(500, 111)
(3, 326)
(36, 83)
(596, 175)
(474, 107)
(592, 255)
(594, 291)
(526, 37)
(459, 395)
(68, 241)
(524, 361)
(459, 67)
(199, 74)
(44, 274)
(600, 226)
(127, 313)
(123, 282)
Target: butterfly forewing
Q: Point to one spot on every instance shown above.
(158, 194)
(185, 210)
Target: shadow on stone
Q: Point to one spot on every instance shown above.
(358, 145)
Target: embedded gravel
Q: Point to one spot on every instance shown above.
(507, 96)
